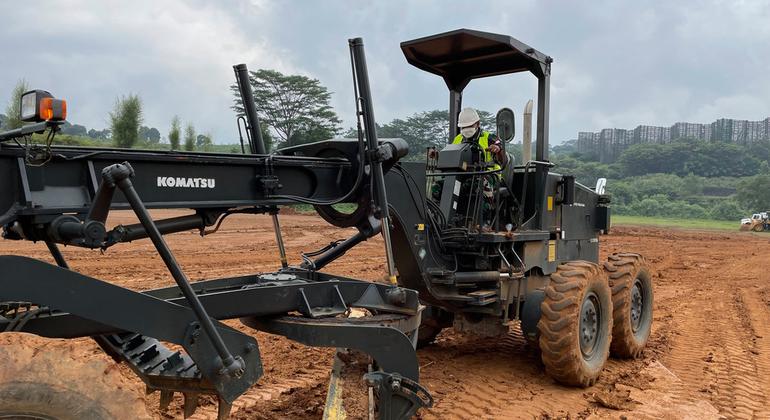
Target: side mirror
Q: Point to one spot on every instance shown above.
(506, 124)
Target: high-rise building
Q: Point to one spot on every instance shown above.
(608, 144)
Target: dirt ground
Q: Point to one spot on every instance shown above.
(708, 356)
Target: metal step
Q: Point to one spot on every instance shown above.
(483, 297)
(162, 369)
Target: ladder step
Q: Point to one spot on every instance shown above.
(483, 293)
(483, 297)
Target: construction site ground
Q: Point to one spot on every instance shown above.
(708, 356)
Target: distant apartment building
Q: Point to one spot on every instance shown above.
(608, 144)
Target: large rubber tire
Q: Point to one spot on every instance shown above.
(632, 301)
(758, 227)
(576, 323)
(56, 379)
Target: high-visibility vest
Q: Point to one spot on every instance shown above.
(484, 144)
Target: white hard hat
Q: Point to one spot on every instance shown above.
(468, 117)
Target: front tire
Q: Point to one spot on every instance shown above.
(576, 323)
(51, 379)
(632, 299)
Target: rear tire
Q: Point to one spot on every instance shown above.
(576, 323)
(632, 301)
(52, 379)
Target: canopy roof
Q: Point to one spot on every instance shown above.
(463, 54)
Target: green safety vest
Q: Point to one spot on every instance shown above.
(484, 144)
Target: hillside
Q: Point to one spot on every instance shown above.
(686, 178)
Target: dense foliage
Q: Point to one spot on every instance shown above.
(683, 179)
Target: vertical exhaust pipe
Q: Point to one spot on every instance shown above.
(527, 137)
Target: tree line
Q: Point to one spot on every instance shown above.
(686, 178)
(293, 109)
(125, 126)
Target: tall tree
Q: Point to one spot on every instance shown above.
(174, 133)
(125, 120)
(12, 112)
(290, 104)
(189, 137)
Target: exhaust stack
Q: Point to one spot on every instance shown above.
(527, 136)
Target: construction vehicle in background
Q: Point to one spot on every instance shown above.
(482, 248)
(759, 222)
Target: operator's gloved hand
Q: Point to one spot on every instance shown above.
(497, 149)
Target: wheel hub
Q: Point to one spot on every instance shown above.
(637, 305)
(590, 321)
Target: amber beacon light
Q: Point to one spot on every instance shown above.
(40, 105)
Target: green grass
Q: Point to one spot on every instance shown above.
(307, 208)
(618, 220)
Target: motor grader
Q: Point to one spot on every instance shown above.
(456, 255)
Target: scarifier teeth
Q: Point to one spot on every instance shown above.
(165, 399)
(223, 412)
(190, 403)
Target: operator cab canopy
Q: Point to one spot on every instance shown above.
(464, 54)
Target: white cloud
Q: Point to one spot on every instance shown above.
(177, 56)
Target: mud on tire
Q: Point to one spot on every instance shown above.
(576, 323)
(632, 299)
(54, 379)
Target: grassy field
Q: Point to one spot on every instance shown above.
(682, 223)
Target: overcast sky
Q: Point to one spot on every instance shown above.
(616, 63)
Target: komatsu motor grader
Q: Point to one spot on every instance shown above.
(458, 253)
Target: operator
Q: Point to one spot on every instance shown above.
(492, 151)
(470, 132)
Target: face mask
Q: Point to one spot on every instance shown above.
(468, 132)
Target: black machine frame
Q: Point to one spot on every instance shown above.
(66, 199)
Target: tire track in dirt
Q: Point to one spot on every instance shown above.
(738, 393)
(507, 381)
(757, 315)
(714, 352)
